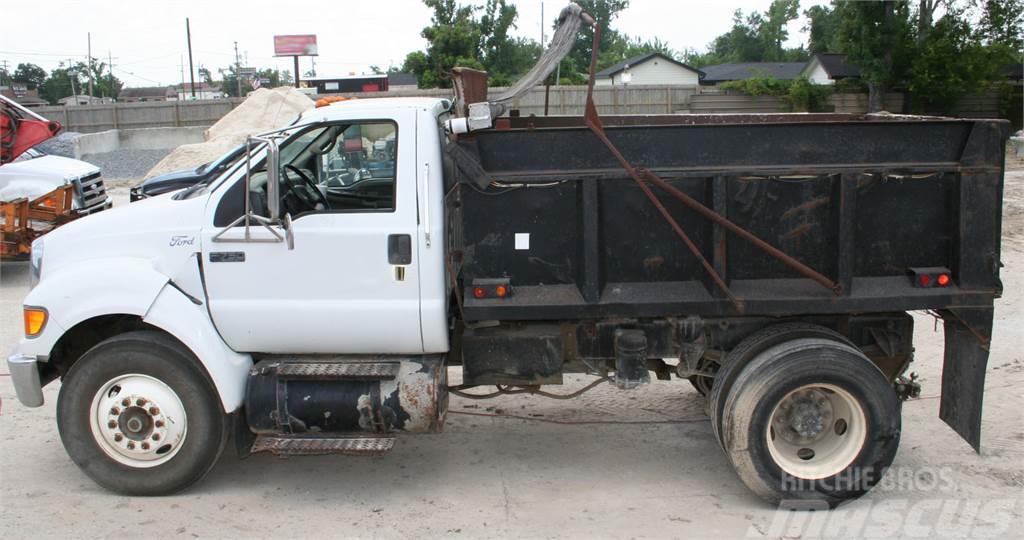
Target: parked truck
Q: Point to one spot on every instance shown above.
(314, 297)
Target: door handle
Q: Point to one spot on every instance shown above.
(399, 249)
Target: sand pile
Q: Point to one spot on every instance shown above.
(263, 110)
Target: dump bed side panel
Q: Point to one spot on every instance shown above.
(859, 199)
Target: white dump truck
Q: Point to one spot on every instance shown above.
(314, 295)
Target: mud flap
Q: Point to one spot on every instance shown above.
(968, 334)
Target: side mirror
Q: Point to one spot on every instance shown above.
(273, 175)
(273, 180)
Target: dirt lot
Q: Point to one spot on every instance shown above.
(609, 464)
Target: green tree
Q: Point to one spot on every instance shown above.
(63, 81)
(772, 32)
(5, 77)
(205, 75)
(1001, 25)
(471, 36)
(876, 37)
(822, 25)
(754, 37)
(604, 12)
(29, 74)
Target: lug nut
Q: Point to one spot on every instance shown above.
(140, 402)
(156, 436)
(145, 446)
(159, 423)
(115, 411)
(118, 437)
(111, 424)
(126, 402)
(154, 411)
(131, 446)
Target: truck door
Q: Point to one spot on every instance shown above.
(350, 284)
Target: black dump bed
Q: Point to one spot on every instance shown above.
(860, 199)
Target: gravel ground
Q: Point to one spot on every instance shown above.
(610, 464)
(125, 167)
(61, 145)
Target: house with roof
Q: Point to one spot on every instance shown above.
(783, 71)
(650, 68)
(23, 95)
(827, 68)
(204, 90)
(147, 93)
(80, 99)
(402, 81)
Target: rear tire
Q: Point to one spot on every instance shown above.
(748, 349)
(139, 415)
(811, 419)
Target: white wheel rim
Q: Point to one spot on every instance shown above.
(816, 431)
(138, 420)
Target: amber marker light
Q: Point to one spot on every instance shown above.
(35, 321)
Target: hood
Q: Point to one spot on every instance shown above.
(163, 230)
(33, 178)
(174, 176)
(50, 166)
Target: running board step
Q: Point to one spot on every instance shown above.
(315, 446)
(339, 370)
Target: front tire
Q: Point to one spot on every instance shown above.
(811, 420)
(139, 416)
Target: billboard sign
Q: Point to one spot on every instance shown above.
(295, 45)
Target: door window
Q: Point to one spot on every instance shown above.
(331, 168)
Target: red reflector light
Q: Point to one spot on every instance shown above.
(924, 279)
(479, 292)
(942, 280)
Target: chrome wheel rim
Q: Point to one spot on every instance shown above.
(816, 431)
(138, 420)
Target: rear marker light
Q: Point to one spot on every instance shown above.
(491, 288)
(930, 277)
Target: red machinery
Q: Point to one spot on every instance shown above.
(22, 220)
(21, 129)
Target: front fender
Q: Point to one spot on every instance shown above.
(188, 320)
(78, 292)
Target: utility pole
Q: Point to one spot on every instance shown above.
(110, 66)
(191, 74)
(89, 63)
(542, 23)
(181, 65)
(71, 78)
(238, 71)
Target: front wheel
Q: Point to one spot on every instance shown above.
(139, 416)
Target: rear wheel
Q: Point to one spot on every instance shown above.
(811, 419)
(748, 349)
(139, 416)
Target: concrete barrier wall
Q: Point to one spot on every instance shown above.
(137, 139)
(96, 118)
